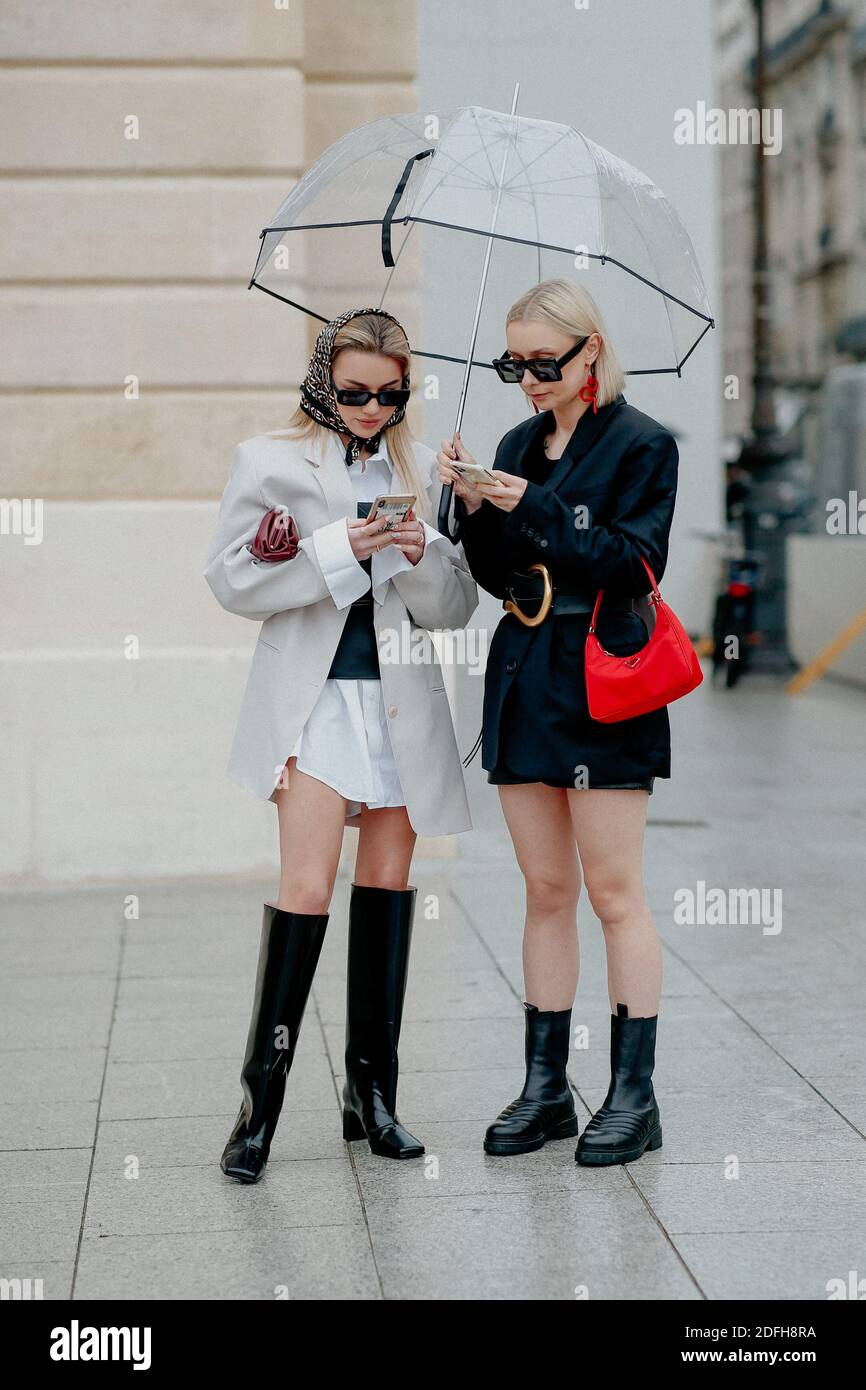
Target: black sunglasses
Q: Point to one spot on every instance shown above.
(542, 368)
(346, 396)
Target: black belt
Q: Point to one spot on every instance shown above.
(572, 603)
(527, 593)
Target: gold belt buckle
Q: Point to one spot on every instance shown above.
(546, 599)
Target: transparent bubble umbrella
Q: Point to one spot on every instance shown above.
(484, 204)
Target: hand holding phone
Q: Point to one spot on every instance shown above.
(475, 473)
(374, 531)
(459, 469)
(393, 510)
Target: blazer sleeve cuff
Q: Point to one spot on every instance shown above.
(521, 523)
(345, 577)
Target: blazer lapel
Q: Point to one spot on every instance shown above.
(330, 471)
(514, 458)
(587, 430)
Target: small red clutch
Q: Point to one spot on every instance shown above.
(277, 537)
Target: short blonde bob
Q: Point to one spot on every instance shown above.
(572, 310)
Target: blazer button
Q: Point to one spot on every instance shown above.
(510, 667)
(543, 544)
(392, 712)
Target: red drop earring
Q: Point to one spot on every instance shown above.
(589, 390)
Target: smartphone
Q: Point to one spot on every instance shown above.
(395, 509)
(474, 473)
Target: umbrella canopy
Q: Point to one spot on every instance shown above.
(555, 203)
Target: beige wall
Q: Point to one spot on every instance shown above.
(139, 358)
(128, 259)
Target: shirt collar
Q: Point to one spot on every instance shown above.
(381, 453)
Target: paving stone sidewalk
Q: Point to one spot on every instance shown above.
(121, 1044)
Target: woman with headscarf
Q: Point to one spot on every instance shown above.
(333, 728)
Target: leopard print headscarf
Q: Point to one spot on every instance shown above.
(317, 395)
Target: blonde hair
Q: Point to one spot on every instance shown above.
(571, 309)
(373, 333)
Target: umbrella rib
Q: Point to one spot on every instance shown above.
(474, 181)
(493, 173)
(547, 151)
(534, 207)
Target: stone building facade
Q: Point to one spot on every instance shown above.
(142, 148)
(816, 77)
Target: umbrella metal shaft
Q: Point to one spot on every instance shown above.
(464, 389)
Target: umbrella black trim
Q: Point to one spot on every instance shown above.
(500, 236)
(709, 325)
(567, 251)
(416, 352)
(461, 361)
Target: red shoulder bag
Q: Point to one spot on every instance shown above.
(622, 687)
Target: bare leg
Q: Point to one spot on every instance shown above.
(543, 836)
(609, 828)
(312, 817)
(386, 844)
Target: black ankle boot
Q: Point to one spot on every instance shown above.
(380, 931)
(545, 1107)
(288, 955)
(628, 1122)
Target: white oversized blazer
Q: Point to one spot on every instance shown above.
(301, 624)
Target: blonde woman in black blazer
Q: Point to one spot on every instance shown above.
(587, 488)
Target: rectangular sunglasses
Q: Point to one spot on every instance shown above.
(542, 368)
(397, 396)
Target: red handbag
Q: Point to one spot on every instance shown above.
(622, 687)
(277, 537)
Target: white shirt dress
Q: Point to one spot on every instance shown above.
(345, 742)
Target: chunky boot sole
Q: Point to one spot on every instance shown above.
(566, 1129)
(589, 1159)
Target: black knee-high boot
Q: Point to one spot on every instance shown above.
(628, 1121)
(380, 933)
(545, 1107)
(288, 955)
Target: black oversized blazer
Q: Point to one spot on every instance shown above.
(621, 465)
